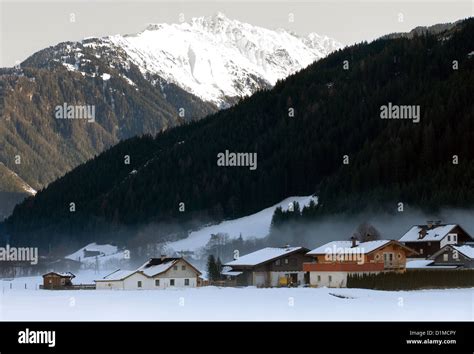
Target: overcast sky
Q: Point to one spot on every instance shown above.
(27, 26)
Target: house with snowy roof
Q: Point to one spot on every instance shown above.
(430, 238)
(269, 267)
(334, 261)
(457, 256)
(156, 273)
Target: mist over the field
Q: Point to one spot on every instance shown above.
(342, 227)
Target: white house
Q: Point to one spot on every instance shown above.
(157, 273)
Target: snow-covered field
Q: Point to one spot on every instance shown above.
(232, 304)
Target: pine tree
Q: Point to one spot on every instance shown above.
(277, 217)
(213, 273)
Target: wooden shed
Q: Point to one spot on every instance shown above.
(55, 280)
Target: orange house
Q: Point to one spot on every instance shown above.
(335, 260)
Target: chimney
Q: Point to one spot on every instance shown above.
(429, 223)
(421, 233)
(163, 257)
(437, 222)
(354, 241)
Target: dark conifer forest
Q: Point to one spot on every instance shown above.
(429, 164)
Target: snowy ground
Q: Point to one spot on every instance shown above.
(252, 226)
(232, 304)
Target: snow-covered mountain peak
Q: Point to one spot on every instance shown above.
(150, 27)
(216, 58)
(217, 23)
(320, 42)
(220, 59)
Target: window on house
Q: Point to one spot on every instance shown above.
(175, 267)
(449, 238)
(429, 243)
(330, 278)
(445, 257)
(186, 282)
(277, 262)
(171, 282)
(63, 281)
(139, 284)
(319, 278)
(421, 250)
(287, 261)
(157, 282)
(183, 267)
(455, 238)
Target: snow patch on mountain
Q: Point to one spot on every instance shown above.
(29, 190)
(252, 226)
(94, 253)
(17, 180)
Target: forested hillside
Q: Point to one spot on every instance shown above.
(337, 103)
(41, 148)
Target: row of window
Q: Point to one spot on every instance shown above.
(157, 282)
(183, 267)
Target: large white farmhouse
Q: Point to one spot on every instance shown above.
(157, 273)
